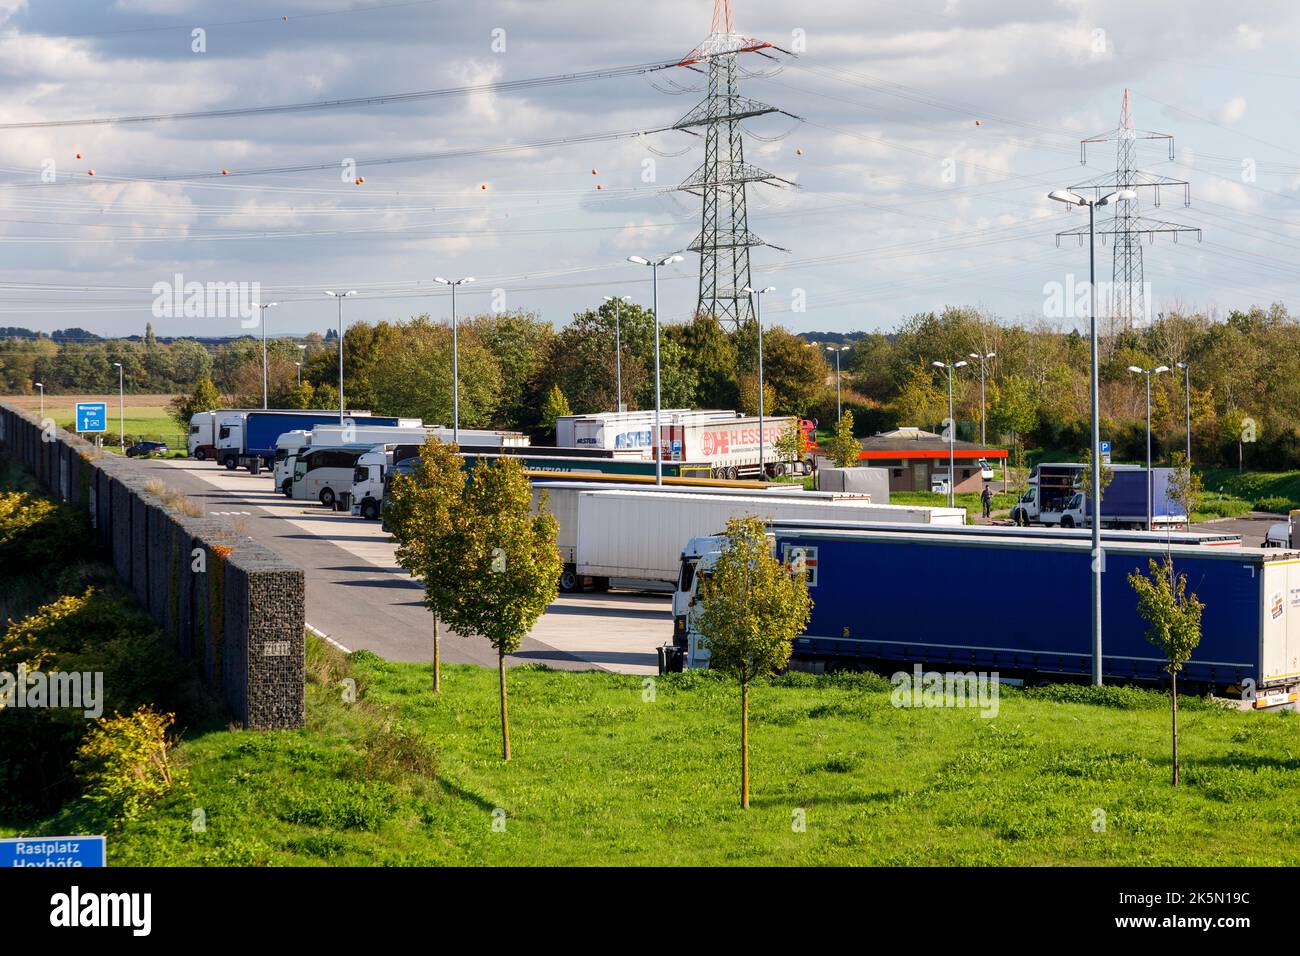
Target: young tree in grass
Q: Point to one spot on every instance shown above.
(1085, 478)
(842, 447)
(422, 514)
(506, 567)
(1185, 485)
(754, 606)
(791, 443)
(1174, 624)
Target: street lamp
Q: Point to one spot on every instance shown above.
(264, 307)
(756, 298)
(952, 432)
(618, 300)
(299, 365)
(1074, 199)
(1187, 400)
(455, 357)
(341, 296)
(41, 386)
(982, 359)
(837, 349)
(1148, 372)
(121, 405)
(654, 265)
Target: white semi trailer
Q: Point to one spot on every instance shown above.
(638, 535)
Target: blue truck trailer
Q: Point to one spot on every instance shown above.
(1124, 502)
(1021, 606)
(248, 439)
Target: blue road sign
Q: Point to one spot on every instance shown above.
(1105, 448)
(53, 851)
(92, 416)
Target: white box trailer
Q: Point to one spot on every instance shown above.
(731, 446)
(639, 535)
(625, 430)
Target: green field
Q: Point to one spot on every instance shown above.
(150, 422)
(603, 776)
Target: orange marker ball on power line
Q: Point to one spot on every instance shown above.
(90, 172)
(593, 171)
(360, 180)
(979, 122)
(798, 152)
(482, 185)
(599, 186)
(225, 172)
(78, 156)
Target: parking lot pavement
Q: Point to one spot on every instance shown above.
(361, 598)
(1252, 527)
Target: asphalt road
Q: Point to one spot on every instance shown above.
(361, 598)
(1251, 527)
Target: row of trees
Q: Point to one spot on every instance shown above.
(516, 370)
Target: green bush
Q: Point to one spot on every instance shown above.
(125, 762)
(1275, 505)
(38, 535)
(1224, 507)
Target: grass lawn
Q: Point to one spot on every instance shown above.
(603, 776)
(1266, 490)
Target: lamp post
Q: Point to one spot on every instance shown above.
(1074, 199)
(299, 366)
(654, 265)
(121, 405)
(455, 357)
(837, 349)
(756, 297)
(618, 301)
(952, 431)
(1148, 372)
(982, 359)
(1187, 405)
(41, 386)
(264, 307)
(341, 296)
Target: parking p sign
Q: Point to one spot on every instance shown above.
(92, 416)
(1105, 453)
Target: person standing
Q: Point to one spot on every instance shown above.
(986, 499)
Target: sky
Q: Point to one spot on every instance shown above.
(922, 138)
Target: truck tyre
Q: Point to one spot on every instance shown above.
(369, 510)
(1067, 522)
(200, 454)
(327, 497)
(286, 487)
(568, 579)
(231, 462)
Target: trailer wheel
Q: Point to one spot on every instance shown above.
(200, 454)
(568, 579)
(369, 510)
(327, 497)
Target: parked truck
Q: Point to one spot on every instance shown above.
(637, 534)
(623, 431)
(890, 599)
(1054, 497)
(248, 440)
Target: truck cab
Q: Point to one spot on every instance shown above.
(287, 448)
(230, 441)
(367, 494)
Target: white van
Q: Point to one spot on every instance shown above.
(325, 472)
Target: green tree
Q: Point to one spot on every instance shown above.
(1013, 411)
(506, 567)
(748, 393)
(422, 515)
(791, 444)
(919, 401)
(842, 447)
(204, 398)
(754, 607)
(1173, 624)
(711, 358)
(1185, 485)
(1085, 477)
(555, 407)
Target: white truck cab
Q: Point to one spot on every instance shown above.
(368, 482)
(287, 448)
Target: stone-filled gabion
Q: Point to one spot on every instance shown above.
(224, 599)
